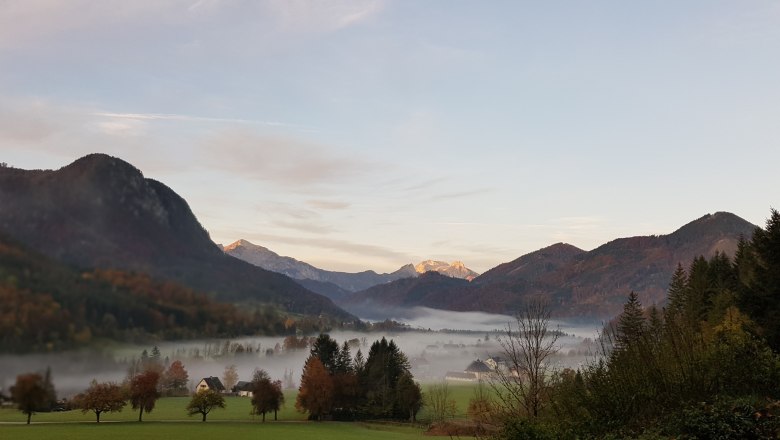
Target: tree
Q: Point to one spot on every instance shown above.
(410, 398)
(440, 403)
(520, 389)
(267, 396)
(327, 350)
(631, 324)
(384, 366)
(29, 393)
(143, 392)
(100, 398)
(175, 378)
(204, 401)
(315, 395)
(678, 292)
(230, 377)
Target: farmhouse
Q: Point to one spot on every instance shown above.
(476, 371)
(210, 383)
(243, 389)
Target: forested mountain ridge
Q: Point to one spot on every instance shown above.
(46, 305)
(575, 282)
(100, 212)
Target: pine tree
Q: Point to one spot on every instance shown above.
(678, 293)
(631, 323)
(327, 350)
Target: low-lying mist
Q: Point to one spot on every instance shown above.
(438, 341)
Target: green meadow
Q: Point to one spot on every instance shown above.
(169, 421)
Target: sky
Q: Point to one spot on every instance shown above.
(369, 134)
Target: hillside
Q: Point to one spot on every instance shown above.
(576, 282)
(46, 305)
(100, 212)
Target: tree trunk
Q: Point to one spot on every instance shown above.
(275, 415)
(97, 415)
(204, 416)
(29, 414)
(141, 413)
(263, 416)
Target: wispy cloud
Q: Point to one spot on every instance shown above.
(308, 226)
(190, 118)
(328, 204)
(278, 159)
(461, 194)
(357, 249)
(315, 16)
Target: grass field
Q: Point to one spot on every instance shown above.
(170, 421)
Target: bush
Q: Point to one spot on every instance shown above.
(724, 420)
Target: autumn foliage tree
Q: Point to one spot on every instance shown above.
(230, 377)
(100, 398)
(29, 393)
(204, 401)
(175, 379)
(267, 396)
(315, 394)
(143, 392)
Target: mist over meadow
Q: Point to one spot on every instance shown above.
(438, 341)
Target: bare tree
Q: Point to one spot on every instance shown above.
(440, 402)
(520, 388)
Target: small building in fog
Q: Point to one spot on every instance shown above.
(210, 383)
(243, 389)
(474, 372)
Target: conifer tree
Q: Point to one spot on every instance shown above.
(631, 324)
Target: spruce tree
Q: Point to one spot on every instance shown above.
(631, 323)
(678, 293)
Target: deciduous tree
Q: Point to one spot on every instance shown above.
(230, 377)
(29, 393)
(204, 401)
(143, 392)
(100, 398)
(175, 379)
(315, 395)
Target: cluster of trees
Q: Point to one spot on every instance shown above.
(334, 385)
(33, 393)
(706, 365)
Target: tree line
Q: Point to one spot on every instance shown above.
(705, 365)
(336, 386)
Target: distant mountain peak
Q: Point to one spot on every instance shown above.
(456, 270)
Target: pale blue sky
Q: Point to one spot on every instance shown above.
(368, 134)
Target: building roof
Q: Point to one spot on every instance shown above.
(214, 383)
(242, 385)
(478, 367)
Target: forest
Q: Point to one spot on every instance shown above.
(705, 365)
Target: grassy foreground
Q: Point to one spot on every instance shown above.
(169, 421)
(215, 430)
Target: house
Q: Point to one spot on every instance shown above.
(475, 371)
(210, 383)
(479, 369)
(496, 362)
(243, 388)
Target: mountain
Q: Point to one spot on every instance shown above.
(46, 305)
(100, 212)
(351, 282)
(456, 270)
(575, 282)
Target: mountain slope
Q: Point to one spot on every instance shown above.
(46, 305)
(101, 212)
(575, 282)
(269, 260)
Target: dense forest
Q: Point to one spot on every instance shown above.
(46, 306)
(706, 365)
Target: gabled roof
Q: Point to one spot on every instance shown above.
(214, 383)
(478, 367)
(242, 385)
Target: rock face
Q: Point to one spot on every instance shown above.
(575, 282)
(456, 270)
(101, 212)
(350, 282)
